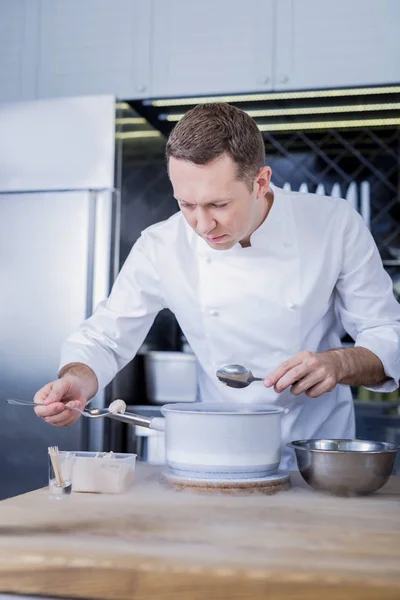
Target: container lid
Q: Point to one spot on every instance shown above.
(169, 356)
(222, 408)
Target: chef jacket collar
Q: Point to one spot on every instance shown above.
(270, 233)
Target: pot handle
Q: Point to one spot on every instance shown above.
(157, 423)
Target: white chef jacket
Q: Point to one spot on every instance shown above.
(311, 272)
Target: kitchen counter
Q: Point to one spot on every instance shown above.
(157, 542)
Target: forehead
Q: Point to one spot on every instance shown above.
(221, 169)
(200, 182)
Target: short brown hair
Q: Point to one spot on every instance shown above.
(209, 130)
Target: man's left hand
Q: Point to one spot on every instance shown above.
(307, 373)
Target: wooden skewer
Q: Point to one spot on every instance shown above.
(55, 461)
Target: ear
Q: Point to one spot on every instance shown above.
(263, 180)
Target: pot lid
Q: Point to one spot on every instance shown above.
(222, 408)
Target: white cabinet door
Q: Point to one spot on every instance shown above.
(94, 47)
(340, 43)
(18, 49)
(211, 46)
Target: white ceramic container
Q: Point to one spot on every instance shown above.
(222, 440)
(171, 377)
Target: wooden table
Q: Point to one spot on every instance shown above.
(159, 543)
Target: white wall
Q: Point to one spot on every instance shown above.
(150, 48)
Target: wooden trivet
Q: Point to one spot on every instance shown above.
(260, 485)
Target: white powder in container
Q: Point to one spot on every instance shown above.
(106, 473)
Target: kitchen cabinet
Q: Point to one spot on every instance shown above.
(229, 47)
(52, 48)
(212, 47)
(346, 43)
(161, 48)
(18, 53)
(94, 47)
(157, 542)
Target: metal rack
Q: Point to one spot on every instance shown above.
(373, 404)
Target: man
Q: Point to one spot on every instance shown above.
(254, 275)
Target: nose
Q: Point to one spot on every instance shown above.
(205, 223)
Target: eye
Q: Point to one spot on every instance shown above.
(187, 206)
(220, 205)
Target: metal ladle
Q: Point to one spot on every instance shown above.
(236, 376)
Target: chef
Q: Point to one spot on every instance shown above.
(255, 275)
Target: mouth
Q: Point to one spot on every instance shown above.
(217, 239)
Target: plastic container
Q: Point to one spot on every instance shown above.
(103, 472)
(152, 444)
(171, 377)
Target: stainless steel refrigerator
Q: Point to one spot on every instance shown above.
(59, 213)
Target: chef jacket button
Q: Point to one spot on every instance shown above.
(286, 411)
(287, 244)
(207, 260)
(292, 305)
(213, 313)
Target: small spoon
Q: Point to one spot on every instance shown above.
(236, 376)
(93, 413)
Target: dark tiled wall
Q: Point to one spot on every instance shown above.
(146, 198)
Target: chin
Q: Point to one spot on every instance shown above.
(222, 245)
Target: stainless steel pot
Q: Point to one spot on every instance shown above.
(218, 439)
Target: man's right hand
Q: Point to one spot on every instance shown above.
(56, 396)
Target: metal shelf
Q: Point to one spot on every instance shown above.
(377, 404)
(391, 263)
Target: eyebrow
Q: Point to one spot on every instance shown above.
(207, 203)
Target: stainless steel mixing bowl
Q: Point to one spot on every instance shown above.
(345, 467)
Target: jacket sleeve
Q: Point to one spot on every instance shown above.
(365, 301)
(110, 338)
